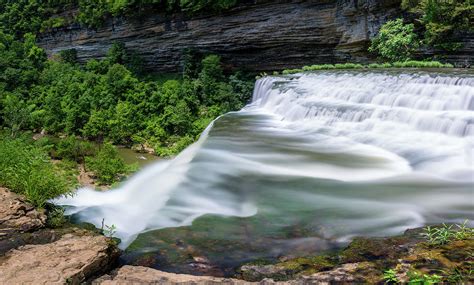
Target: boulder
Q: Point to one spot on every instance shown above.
(16, 215)
(71, 259)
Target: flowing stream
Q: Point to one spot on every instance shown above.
(313, 161)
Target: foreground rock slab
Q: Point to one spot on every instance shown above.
(16, 215)
(72, 259)
(145, 275)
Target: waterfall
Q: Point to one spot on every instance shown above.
(360, 153)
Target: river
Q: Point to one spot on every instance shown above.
(313, 161)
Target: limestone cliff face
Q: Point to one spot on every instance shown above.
(258, 35)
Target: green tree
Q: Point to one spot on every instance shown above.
(107, 165)
(16, 113)
(395, 41)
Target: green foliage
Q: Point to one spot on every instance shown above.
(110, 231)
(105, 100)
(397, 64)
(69, 56)
(390, 277)
(18, 17)
(55, 216)
(94, 13)
(416, 278)
(442, 20)
(458, 275)
(26, 169)
(395, 41)
(444, 234)
(421, 64)
(291, 71)
(107, 165)
(73, 149)
(53, 22)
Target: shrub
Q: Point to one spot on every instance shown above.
(291, 71)
(26, 169)
(69, 55)
(395, 41)
(73, 149)
(55, 216)
(348, 66)
(107, 165)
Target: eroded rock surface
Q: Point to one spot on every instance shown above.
(257, 35)
(144, 275)
(16, 215)
(71, 259)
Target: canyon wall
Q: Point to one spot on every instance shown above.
(257, 35)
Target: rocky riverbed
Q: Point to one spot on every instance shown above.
(30, 252)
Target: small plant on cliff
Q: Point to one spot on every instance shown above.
(390, 276)
(395, 41)
(108, 231)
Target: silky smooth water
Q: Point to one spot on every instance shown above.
(313, 161)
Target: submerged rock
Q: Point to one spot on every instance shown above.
(16, 215)
(365, 260)
(72, 259)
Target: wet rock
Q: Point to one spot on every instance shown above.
(363, 272)
(286, 270)
(144, 275)
(364, 260)
(16, 215)
(259, 272)
(71, 259)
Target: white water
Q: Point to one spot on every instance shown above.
(368, 153)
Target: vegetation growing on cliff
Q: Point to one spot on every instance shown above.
(20, 17)
(442, 20)
(438, 24)
(395, 41)
(396, 64)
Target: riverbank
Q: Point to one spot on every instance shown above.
(32, 251)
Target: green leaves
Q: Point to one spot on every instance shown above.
(444, 234)
(107, 165)
(26, 169)
(443, 21)
(395, 41)
(390, 277)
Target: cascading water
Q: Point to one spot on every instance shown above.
(314, 160)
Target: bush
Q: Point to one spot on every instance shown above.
(69, 56)
(55, 216)
(395, 41)
(73, 149)
(26, 169)
(107, 165)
